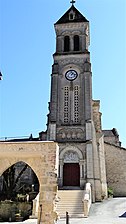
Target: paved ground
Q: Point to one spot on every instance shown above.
(107, 212)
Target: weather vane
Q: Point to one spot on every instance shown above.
(72, 2)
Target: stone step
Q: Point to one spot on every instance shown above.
(70, 201)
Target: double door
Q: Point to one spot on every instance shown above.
(71, 174)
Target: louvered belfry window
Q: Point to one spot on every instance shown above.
(76, 104)
(76, 43)
(66, 43)
(66, 104)
(71, 104)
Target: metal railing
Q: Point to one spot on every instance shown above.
(40, 214)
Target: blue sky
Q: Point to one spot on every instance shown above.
(27, 42)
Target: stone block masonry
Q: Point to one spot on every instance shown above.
(116, 168)
(42, 157)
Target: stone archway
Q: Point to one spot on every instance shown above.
(19, 183)
(71, 162)
(42, 157)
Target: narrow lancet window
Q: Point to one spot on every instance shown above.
(66, 43)
(76, 43)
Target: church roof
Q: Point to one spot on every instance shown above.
(66, 17)
(110, 133)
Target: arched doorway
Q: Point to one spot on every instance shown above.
(71, 168)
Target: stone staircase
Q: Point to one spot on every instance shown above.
(70, 201)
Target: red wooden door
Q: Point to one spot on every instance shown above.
(71, 174)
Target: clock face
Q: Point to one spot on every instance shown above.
(71, 75)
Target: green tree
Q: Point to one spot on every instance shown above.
(10, 182)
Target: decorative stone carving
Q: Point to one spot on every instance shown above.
(69, 61)
(71, 134)
(71, 157)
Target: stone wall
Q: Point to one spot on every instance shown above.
(116, 168)
(42, 157)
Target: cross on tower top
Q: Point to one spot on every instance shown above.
(72, 2)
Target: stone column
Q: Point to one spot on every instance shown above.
(88, 96)
(47, 213)
(34, 214)
(71, 44)
(61, 163)
(81, 173)
(90, 169)
(60, 44)
(83, 42)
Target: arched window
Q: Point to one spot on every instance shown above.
(66, 43)
(76, 43)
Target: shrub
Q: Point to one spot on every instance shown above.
(110, 191)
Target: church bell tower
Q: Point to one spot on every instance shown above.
(70, 104)
(70, 118)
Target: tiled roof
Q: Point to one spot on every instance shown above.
(108, 133)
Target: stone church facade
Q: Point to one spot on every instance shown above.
(87, 154)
